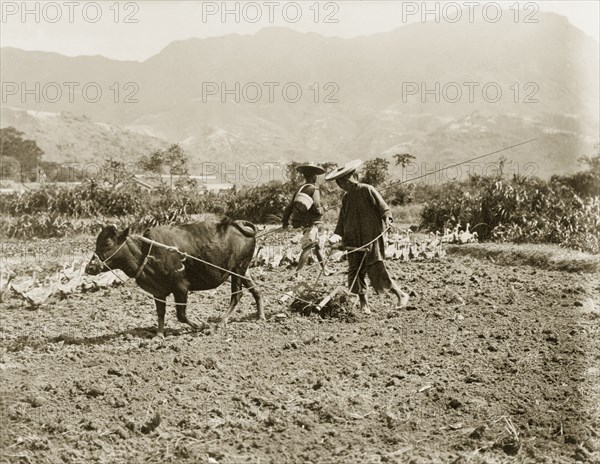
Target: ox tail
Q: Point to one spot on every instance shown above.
(247, 228)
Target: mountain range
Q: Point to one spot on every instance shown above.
(362, 97)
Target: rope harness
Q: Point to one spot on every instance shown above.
(349, 250)
(138, 272)
(143, 265)
(112, 254)
(363, 248)
(175, 249)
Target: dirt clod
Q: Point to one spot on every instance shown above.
(455, 404)
(96, 391)
(116, 371)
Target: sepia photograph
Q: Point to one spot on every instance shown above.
(300, 232)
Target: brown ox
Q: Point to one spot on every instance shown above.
(162, 272)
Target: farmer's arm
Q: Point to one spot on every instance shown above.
(385, 213)
(317, 201)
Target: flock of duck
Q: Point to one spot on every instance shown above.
(400, 245)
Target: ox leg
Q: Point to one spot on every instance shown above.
(161, 308)
(181, 305)
(236, 296)
(251, 285)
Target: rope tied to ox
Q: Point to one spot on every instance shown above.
(181, 253)
(152, 243)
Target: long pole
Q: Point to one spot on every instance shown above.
(447, 167)
(268, 232)
(458, 164)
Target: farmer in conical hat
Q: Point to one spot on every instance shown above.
(363, 218)
(305, 211)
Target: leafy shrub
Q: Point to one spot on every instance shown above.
(258, 204)
(400, 194)
(86, 200)
(585, 184)
(170, 216)
(376, 172)
(520, 210)
(43, 225)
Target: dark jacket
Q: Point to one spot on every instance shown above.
(362, 219)
(313, 216)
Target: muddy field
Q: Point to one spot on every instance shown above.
(489, 363)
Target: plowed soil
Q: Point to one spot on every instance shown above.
(489, 363)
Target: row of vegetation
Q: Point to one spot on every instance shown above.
(563, 210)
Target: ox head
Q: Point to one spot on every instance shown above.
(109, 250)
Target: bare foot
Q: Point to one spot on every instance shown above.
(366, 310)
(403, 301)
(222, 325)
(194, 325)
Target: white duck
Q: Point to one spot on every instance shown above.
(447, 237)
(466, 236)
(277, 257)
(25, 285)
(69, 287)
(455, 233)
(5, 279)
(37, 296)
(434, 242)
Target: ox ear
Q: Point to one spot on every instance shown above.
(110, 230)
(125, 232)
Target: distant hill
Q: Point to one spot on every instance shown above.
(65, 137)
(547, 73)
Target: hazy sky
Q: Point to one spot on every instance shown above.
(138, 30)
